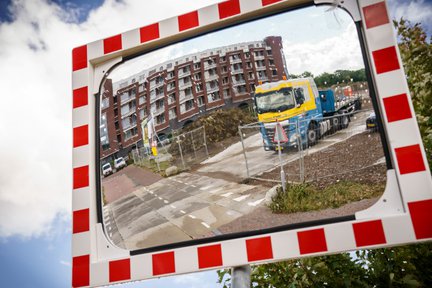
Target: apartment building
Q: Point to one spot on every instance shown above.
(179, 91)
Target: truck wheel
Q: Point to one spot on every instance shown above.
(344, 121)
(335, 124)
(312, 134)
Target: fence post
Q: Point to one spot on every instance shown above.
(193, 145)
(244, 151)
(205, 142)
(181, 153)
(301, 152)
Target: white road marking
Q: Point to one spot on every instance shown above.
(193, 186)
(182, 211)
(192, 216)
(172, 206)
(110, 235)
(109, 228)
(166, 201)
(205, 225)
(256, 202)
(206, 187)
(107, 223)
(160, 198)
(151, 192)
(241, 198)
(227, 194)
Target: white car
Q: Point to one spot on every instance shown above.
(107, 169)
(119, 163)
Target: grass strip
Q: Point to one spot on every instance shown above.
(307, 197)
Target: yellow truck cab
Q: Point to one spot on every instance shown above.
(304, 112)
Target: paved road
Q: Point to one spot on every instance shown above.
(179, 208)
(260, 161)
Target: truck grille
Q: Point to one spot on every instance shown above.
(270, 132)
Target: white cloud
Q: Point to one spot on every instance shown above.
(196, 280)
(417, 11)
(65, 263)
(35, 118)
(340, 52)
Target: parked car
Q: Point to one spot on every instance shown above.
(119, 163)
(371, 122)
(107, 169)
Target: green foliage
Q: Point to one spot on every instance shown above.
(338, 77)
(405, 266)
(416, 54)
(306, 197)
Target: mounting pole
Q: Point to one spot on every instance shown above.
(241, 277)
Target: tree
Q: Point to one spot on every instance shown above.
(416, 54)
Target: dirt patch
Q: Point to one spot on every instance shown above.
(357, 159)
(262, 217)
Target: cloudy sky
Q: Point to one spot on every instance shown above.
(36, 39)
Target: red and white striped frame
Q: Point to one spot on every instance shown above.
(403, 215)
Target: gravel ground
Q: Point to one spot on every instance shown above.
(358, 159)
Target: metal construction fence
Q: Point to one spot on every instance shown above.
(326, 148)
(182, 151)
(190, 147)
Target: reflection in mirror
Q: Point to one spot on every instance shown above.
(196, 136)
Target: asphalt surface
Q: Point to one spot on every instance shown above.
(183, 207)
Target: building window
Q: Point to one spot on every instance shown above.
(189, 105)
(130, 133)
(160, 119)
(172, 113)
(105, 103)
(141, 100)
(171, 98)
(143, 113)
(104, 132)
(201, 101)
(214, 96)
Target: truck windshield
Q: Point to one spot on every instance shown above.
(275, 101)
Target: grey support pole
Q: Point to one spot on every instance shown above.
(244, 151)
(241, 277)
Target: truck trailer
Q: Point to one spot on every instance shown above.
(305, 113)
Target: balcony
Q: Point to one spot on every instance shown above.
(128, 113)
(259, 57)
(210, 66)
(130, 126)
(240, 82)
(212, 89)
(211, 77)
(158, 111)
(260, 68)
(184, 98)
(182, 74)
(156, 85)
(237, 60)
(124, 100)
(183, 85)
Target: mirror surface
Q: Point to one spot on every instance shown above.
(196, 137)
